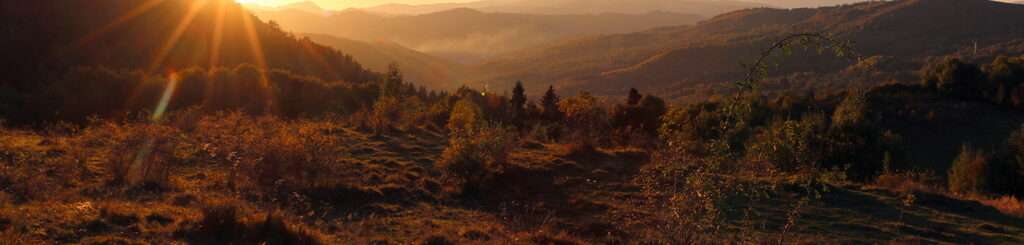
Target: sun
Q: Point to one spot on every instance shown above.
(250, 1)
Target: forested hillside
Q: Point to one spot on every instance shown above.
(419, 68)
(123, 48)
(690, 7)
(891, 36)
(194, 122)
(469, 35)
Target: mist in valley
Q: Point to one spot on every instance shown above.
(512, 122)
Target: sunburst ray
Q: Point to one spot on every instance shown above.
(176, 35)
(256, 47)
(218, 34)
(131, 14)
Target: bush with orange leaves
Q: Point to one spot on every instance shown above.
(477, 149)
(474, 159)
(1007, 204)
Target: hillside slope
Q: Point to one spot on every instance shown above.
(693, 7)
(157, 36)
(714, 50)
(469, 35)
(388, 191)
(419, 68)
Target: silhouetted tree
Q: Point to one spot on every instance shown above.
(652, 108)
(393, 82)
(954, 76)
(1005, 75)
(644, 115)
(550, 105)
(634, 97)
(518, 103)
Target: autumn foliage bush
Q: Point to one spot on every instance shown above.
(473, 159)
(477, 150)
(969, 173)
(587, 119)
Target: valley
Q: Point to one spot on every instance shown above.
(512, 122)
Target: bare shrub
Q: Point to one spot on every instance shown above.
(225, 223)
(143, 155)
(268, 153)
(299, 155)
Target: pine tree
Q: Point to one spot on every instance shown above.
(634, 97)
(518, 102)
(393, 82)
(550, 104)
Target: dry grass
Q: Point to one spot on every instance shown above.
(923, 182)
(1006, 204)
(908, 182)
(320, 181)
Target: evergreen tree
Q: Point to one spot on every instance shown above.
(392, 82)
(550, 105)
(518, 104)
(634, 97)
(652, 108)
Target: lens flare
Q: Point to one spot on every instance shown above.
(165, 99)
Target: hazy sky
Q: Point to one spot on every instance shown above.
(341, 4)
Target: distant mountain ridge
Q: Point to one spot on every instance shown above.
(712, 51)
(469, 35)
(419, 68)
(697, 7)
(307, 6)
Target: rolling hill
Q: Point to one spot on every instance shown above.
(697, 7)
(468, 35)
(156, 36)
(804, 3)
(713, 50)
(419, 68)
